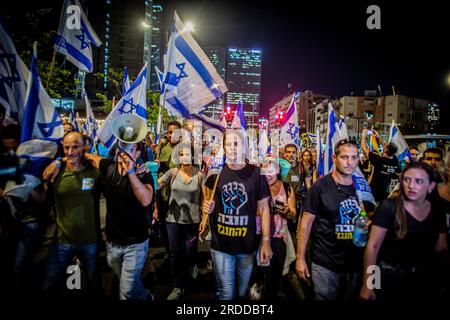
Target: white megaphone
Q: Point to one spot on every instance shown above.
(129, 129)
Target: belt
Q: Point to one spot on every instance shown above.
(399, 268)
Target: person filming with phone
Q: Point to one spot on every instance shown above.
(282, 205)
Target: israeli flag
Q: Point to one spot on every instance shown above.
(363, 191)
(134, 101)
(158, 125)
(319, 154)
(42, 128)
(209, 122)
(160, 78)
(216, 165)
(263, 145)
(290, 130)
(13, 77)
(90, 125)
(396, 137)
(240, 123)
(333, 137)
(343, 128)
(190, 79)
(126, 81)
(74, 120)
(75, 36)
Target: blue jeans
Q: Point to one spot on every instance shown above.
(225, 268)
(27, 247)
(127, 262)
(60, 257)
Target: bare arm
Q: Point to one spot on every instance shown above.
(376, 238)
(264, 211)
(292, 204)
(93, 159)
(207, 208)
(364, 146)
(441, 245)
(304, 231)
(143, 192)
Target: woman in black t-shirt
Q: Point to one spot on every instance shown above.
(407, 237)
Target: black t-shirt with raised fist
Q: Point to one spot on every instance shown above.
(233, 221)
(335, 208)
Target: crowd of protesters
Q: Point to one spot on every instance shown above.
(261, 218)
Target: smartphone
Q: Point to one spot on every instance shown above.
(278, 208)
(369, 132)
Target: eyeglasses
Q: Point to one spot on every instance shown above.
(433, 158)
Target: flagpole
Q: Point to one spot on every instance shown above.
(51, 69)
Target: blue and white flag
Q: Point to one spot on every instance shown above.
(13, 77)
(75, 36)
(209, 122)
(73, 119)
(264, 148)
(363, 191)
(126, 81)
(396, 137)
(333, 136)
(160, 75)
(190, 79)
(240, 123)
(290, 130)
(134, 101)
(42, 128)
(216, 164)
(343, 128)
(158, 125)
(90, 125)
(319, 154)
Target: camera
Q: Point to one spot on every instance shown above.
(278, 208)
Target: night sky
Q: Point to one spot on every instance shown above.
(328, 49)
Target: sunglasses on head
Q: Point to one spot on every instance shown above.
(346, 141)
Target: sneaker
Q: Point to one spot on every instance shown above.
(176, 294)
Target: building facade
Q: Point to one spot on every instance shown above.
(243, 78)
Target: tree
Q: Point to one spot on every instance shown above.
(35, 27)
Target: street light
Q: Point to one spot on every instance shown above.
(189, 27)
(145, 24)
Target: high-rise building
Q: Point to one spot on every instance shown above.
(244, 80)
(433, 117)
(158, 45)
(217, 55)
(125, 28)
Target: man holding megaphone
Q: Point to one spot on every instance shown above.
(128, 192)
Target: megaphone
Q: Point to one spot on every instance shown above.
(129, 129)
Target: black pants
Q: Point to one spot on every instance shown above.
(401, 285)
(183, 240)
(272, 274)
